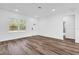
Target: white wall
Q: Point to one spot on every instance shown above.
(5, 17)
(51, 26)
(77, 27)
(69, 26)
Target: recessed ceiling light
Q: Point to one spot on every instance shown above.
(53, 10)
(16, 10)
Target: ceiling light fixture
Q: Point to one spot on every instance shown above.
(53, 10)
(16, 10)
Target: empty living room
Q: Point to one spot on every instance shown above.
(39, 28)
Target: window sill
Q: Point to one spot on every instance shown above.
(16, 31)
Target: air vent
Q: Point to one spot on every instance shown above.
(39, 7)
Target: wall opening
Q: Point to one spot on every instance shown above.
(69, 28)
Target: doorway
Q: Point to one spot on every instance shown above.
(69, 28)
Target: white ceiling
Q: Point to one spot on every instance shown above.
(31, 9)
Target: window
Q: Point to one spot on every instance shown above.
(22, 25)
(17, 25)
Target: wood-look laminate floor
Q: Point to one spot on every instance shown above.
(38, 45)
